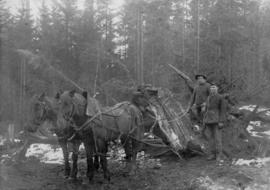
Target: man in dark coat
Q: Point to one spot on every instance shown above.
(214, 119)
(199, 96)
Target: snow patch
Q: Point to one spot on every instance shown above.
(254, 133)
(17, 140)
(248, 107)
(46, 153)
(258, 162)
(256, 123)
(252, 107)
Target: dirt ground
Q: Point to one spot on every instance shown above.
(171, 173)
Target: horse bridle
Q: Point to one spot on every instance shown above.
(69, 117)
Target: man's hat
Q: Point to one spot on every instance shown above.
(200, 75)
(137, 94)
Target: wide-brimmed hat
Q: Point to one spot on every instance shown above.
(200, 75)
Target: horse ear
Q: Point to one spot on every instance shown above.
(41, 96)
(72, 93)
(84, 94)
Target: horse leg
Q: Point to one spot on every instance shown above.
(133, 157)
(63, 145)
(96, 162)
(128, 150)
(103, 148)
(75, 153)
(89, 157)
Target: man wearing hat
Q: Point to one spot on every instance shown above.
(139, 99)
(214, 118)
(199, 96)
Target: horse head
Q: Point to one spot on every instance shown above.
(44, 108)
(38, 108)
(72, 104)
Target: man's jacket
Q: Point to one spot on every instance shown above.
(215, 109)
(200, 94)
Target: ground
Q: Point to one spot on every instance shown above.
(43, 170)
(195, 173)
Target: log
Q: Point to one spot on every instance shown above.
(174, 124)
(186, 78)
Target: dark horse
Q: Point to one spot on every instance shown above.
(46, 108)
(123, 122)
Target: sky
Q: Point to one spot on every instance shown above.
(36, 4)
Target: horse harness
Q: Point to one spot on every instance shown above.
(92, 120)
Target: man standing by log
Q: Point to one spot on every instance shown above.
(199, 96)
(214, 119)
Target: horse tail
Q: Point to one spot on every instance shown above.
(136, 119)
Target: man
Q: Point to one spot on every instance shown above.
(199, 96)
(214, 119)
(140, 101)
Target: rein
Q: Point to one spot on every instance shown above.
(94, 117)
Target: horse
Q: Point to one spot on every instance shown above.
(120, 122)
(45, 108)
